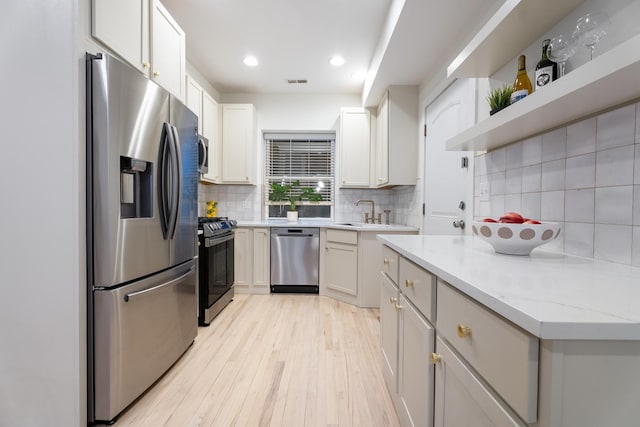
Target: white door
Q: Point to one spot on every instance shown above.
(447, 183)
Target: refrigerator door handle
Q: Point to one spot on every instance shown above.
(176, 181)
(165, 179)
(130, 295)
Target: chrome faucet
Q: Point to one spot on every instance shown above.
(373, 210)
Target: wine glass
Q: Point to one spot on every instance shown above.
(590, 29)
(560, 49)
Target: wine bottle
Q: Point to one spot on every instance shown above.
(546, 70)
(522, 84)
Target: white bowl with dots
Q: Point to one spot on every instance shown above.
(515, 239)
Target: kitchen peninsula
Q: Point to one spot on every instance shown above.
(571, 326)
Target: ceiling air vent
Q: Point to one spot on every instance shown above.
(296, 82)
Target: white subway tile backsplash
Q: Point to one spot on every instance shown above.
(578, 239)
(635, 250)
(514, 156)
(531, 205)
(616, 128)
(557, 244)
(480, 165)
(581, 137)
(513, 203)
(581, 171)
(554, 145)
(614, 205)
(496, 161)
(579, 205)
(615, 166)
(553, 175)
(636, 205)
(532, 151)
(552, 206)
(497, 183)
(613, 243)
(513, 182)
(531, 178)
(497, 206)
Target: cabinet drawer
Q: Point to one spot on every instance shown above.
(390, 260)
(419, 286)
(342, 236)
(461, 399)
(505, 355)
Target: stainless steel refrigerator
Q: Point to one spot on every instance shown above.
(142, 171)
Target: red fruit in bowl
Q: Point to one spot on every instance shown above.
(489, 220)
(530, 221)
(511, 218)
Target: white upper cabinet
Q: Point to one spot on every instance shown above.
(396, 154)
(194, 100)
(123, 25)
(168, 43)
(355, 148)
(238, 143)
(145, 35)
(210, 129)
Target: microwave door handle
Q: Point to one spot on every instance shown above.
(203, 147)
(164, 178)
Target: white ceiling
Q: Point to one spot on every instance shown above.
(294, 39)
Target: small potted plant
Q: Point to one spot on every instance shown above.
(292, 193)
(499, 98)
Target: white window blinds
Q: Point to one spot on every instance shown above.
(307, 158)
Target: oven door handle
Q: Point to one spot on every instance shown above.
(128, 296)
(212, 241)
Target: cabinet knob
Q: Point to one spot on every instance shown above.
(156, 74)
(393, 300)
(463, 331)
(399, 307)
(435, 358)
(408, 283)
(146, 65)
(386, 261)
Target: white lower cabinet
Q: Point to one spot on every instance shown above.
(251, 260)
(389, 319)
(415, 387)
(342, 276)
(461, 399)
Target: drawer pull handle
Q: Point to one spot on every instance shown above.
(408, 283)
(386, 261)
(399, 307)
(393, 300)
(435, 358)
(463, 331)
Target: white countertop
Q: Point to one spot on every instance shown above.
(354, 226)
(551, 295)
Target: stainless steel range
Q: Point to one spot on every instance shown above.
(216, 267)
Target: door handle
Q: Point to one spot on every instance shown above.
(128, 296)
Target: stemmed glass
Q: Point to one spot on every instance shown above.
(590, 29)
(560, 49)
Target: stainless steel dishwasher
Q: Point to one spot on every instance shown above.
(295, 258)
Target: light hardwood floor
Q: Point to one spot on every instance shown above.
(278, 360)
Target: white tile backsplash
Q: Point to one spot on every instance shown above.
(615, 166)
(616, 128)
(581, 137)
(554, 145)
(553, 175)
(581, 176)
(614, 205)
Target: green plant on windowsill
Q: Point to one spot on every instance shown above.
(499, 98)
(293, 193)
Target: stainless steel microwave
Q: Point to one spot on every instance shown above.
(203, 154)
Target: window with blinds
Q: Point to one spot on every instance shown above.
(305, 162)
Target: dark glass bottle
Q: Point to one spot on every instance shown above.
(546, 70)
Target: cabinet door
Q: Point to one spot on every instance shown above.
(389, 295)
(123, 25)
(343, 272)
(242, 255)
(167, 51)
(237, 143)
(210, 129)
(461, 399)
(355, 147)
(194, 100)
(261, 277)
(416, 374)
(382, 143)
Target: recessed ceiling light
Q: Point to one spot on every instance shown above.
(250, 61)
(337, 61)
(359, 75)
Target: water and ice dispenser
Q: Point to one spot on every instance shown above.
(136, 188)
